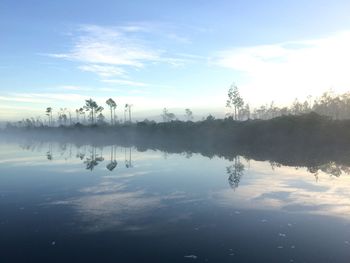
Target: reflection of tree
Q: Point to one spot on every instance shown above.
(49, 153)
(330, 168)
(81, 153)
(235, 172)
(113, 163)
(128, 163)
(188, 155)
(93, 160)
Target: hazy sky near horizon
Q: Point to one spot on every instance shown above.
(175, 54)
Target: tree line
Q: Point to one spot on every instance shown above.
(335, 106)
(329, 104)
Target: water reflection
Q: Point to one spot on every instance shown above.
(128, 163)
(273, 210)
(113, 162)
(235, 172)
(92, 156)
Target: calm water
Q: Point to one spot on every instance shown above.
(62, 203)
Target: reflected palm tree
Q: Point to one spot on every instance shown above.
(81, 154)
(113, 163)
(93, 160)
(128, 163)
(235, 172)
(49, 153)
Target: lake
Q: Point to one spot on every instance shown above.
(61, 202)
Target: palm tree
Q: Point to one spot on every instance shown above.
(49, 114)
(77, 115)
(62, 116)
(81, 112)
(127, 108)
(112, 105)
(91, 106)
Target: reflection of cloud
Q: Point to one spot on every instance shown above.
(108, 204)
(291, 190)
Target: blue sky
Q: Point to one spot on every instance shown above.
(174, 54)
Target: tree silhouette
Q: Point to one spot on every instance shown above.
(91, 106)
(101, 118)
(49, 114)
(234, 100)
(62, 116)
(127, 109)
(128, 163)
(113, 163)
(112, 105)
(168, 116)
(189, 114)
(93, 160)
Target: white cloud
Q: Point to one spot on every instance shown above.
(124, 82)
(103, 70)
(108, 45)
(73, 88)
(113, 51)
(287, 70)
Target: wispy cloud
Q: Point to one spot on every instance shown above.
(104, 71)
(73, 88)
(292, 67)
(124, 82)
(109, 45)
(114, 51)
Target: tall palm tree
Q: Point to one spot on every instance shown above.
(91, 105)
(49, 114)
(127, 108)
(77, 114)
(82, 112)
(112, 105)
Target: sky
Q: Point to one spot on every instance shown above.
(173, 54)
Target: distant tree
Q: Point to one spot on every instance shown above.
(127, 109)
(165, 115)
(62, 116)
(100, 118)
(244, 113)
(82, 112)
(234, 100)
(112, 105)
(91, 106)
(49, 114)
(189, 114)
(168, 116)
(210, 118)
(77, 115)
